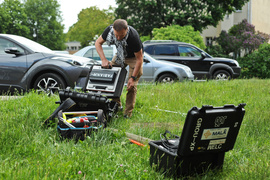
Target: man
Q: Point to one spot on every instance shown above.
(129, 53)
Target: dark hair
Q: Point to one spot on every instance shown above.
(120, 24)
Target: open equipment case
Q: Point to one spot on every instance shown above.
(207, 134)
(95, 100)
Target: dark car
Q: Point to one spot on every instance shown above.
(202, 64)
(25, 64)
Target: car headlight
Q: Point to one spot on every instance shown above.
(69, 60)
(75, 62)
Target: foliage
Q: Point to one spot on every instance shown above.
(45, 23)
(216, 51)
(145, 38)
(256, 64)
(91, 22)
(146, 15)
(241, 37)
(178, 33)
(31, 151)
(13, 18)
(250, 39)
(38, 20)
(241, 28)
(229, 43)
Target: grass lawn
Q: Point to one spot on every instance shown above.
(30, 151)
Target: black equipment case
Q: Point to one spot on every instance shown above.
(106, 82)
(207, 134)
(101, 85)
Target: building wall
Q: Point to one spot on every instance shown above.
(73, 46)
(260, 14)
(227, 23)
(239, 15)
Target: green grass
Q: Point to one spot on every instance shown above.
(30, 151)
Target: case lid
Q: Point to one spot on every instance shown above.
(210, 129)
(107, 82)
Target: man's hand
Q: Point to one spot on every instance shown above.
(106, 64)
(130, 83)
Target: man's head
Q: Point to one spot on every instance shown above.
(120, 28)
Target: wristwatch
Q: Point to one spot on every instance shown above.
(133, 77)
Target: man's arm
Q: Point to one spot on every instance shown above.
(138, 65)
(98, 44)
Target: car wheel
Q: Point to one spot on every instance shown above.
(222, 75)
(166, 78)
(49, 83)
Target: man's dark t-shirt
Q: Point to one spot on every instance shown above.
(134, 43)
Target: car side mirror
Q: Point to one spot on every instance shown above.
(146, 60)
(203, 56)
(13, 50)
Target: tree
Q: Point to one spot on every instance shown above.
(146, 15)
(179, 33)
(91, 22)
(13, 18)
(256, 64)
(241, 36)
(216, 51)
(44, 21)
(229, 43)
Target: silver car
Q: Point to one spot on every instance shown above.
(25, 65)
(153, 70)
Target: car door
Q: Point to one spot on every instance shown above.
(12, 67)
(167, 52)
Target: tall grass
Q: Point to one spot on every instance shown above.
(30, 151)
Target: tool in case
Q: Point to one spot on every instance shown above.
(79, 124)
(207, 134)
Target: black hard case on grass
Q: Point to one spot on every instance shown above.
(101, 85)
(207, 134)
(88, 102)
(174, 165)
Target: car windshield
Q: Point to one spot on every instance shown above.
(36, 47)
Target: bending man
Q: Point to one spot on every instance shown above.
(129, 53)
